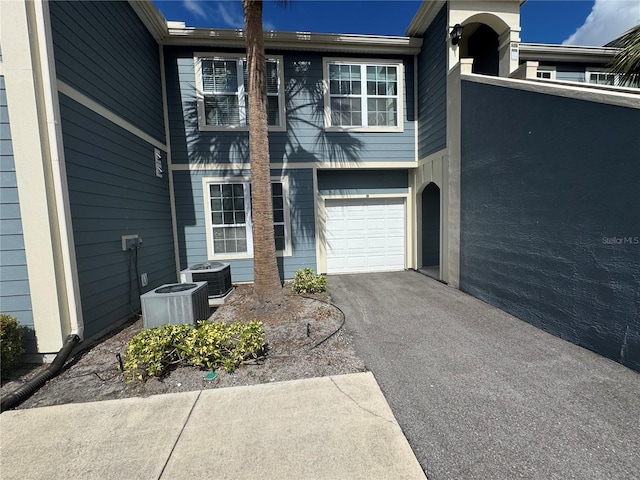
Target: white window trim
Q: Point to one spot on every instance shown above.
(206, 181)
(202, 124)
(355, 61)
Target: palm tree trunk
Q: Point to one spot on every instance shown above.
(265, 269)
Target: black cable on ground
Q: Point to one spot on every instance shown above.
(344, 319)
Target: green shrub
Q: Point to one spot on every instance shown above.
(10, 342)
(305, 281)
(209, 345)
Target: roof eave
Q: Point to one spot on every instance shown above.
(302, 41)
(423, 17)
(152, 19)
(570, 53)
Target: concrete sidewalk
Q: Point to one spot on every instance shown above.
(319, 428)
(482, 395)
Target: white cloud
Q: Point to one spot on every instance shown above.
(195, 7)
(608, 20)
(231, 18)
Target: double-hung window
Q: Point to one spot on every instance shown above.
(222, 85)
(228, 206)
(363, 95)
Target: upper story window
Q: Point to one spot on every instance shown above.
(222, 85)
(602, 78)
(363, 95)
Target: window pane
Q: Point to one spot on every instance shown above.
(382, 112)
(219, 76)
(346, 111)
(276, 189)
(216, 204)
(222, 110)
(273, 111)
(272, 76)
(278, 215)
(229, 228)
(278, 233)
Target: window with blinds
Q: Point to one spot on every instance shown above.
(222, 92)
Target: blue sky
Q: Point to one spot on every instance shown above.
(580, 22)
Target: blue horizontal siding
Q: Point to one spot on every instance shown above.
(192, 239)
(432, 87)
(15, 294)
(114, 191)
(103, 50)
(305, 139)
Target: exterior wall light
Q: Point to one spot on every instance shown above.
(456, 34)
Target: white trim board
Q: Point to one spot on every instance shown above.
(578, 92)
(298, 165)
(95, 107)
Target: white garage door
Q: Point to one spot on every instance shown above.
(365, 235)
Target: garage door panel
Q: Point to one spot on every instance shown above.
(365, 235)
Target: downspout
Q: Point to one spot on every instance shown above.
(49, 93)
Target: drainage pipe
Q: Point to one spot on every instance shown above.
(29, 388)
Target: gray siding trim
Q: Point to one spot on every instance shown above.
(114, 191)
(103, 50)
(15, 294)
(192, 238)
(432, 87)
(353, 182)
(550, 208)
(305, 139)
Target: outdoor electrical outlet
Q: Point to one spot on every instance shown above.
(130, 241)
(144, 280)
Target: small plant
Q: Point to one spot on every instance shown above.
(305, 281)
(209, 345)
(10, 342)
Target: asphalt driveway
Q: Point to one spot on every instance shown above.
(482, 395)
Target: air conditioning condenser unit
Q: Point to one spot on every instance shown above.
(216, 274)
(176, 303)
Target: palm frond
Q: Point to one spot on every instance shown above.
(626, 63)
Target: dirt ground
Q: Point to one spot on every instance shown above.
(93, 374)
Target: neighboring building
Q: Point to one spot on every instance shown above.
(477, 160)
